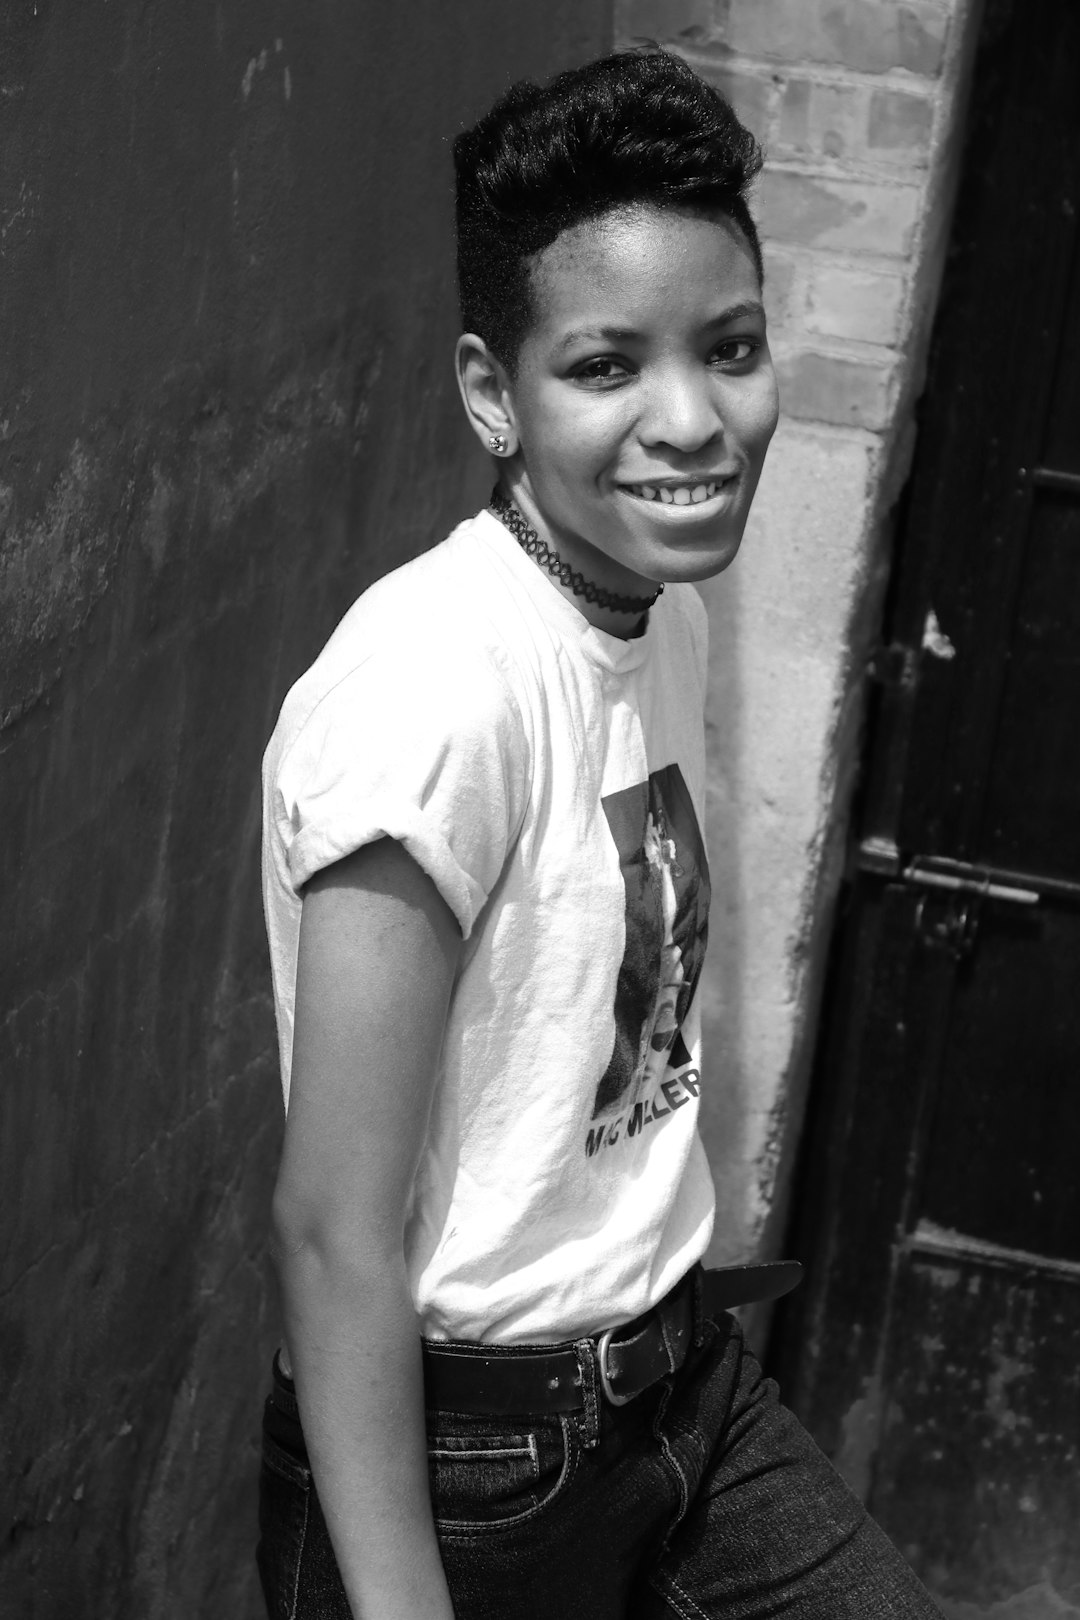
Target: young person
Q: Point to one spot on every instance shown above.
(516, 1391)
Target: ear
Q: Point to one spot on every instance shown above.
(486, 395)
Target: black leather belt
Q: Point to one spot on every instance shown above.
(489, 1379)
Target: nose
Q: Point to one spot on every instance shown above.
(680, 411)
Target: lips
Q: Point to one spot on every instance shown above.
(680, 494)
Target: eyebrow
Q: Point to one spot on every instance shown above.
(625, 334)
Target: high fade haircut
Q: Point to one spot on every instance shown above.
(634, 127)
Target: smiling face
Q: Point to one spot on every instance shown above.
(644, 397)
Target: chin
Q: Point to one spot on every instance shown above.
(691, 561)
(690, 570)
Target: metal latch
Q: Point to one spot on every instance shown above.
(973, 880)
(881, 855)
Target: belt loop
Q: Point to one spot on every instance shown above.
(697, 1296)
(590, 1393)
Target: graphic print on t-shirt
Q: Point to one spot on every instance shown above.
(666, 877)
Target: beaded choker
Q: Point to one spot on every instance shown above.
(531, 543)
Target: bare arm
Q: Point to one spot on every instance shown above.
(378, 951)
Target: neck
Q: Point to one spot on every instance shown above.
(619, 615)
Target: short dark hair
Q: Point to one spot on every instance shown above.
(635, 127)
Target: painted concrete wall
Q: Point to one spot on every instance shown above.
(859, 104)
(226, 404)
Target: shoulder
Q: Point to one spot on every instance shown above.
(438, 600)
(419, 652)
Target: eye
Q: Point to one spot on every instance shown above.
(736, 351)
(601, 371)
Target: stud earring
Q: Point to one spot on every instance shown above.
(498, 444)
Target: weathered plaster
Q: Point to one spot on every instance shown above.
(860, 115)
(780, 683)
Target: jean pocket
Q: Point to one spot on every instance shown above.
(284, 1506)
(495, 1481)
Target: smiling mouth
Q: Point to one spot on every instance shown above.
(680, 494)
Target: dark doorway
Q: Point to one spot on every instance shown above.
(933, 1351)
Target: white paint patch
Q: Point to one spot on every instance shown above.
(18, 214)
(256, 65)
(1007, 1370)
(934, 639)
(860, 1436)
(155, 528)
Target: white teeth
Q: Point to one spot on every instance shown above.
(680, 494)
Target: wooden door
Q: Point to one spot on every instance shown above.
(935, 1349)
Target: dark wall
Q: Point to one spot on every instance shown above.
(226, 316)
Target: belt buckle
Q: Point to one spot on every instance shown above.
(602, 1345)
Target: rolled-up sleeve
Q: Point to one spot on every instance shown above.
(434, 757)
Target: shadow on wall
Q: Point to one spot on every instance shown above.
(227, 318)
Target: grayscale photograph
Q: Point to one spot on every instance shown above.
(540, 810)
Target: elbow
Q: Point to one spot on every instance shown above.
(292, 1227)
(312, 1231)
(303, 1223)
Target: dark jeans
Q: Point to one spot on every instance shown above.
(702, 1498)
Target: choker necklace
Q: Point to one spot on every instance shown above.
(531, 543)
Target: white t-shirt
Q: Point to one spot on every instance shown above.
(550, 779)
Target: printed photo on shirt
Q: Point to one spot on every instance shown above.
(666, 879)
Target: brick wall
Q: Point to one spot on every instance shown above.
(859, 105)
(850, 102)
